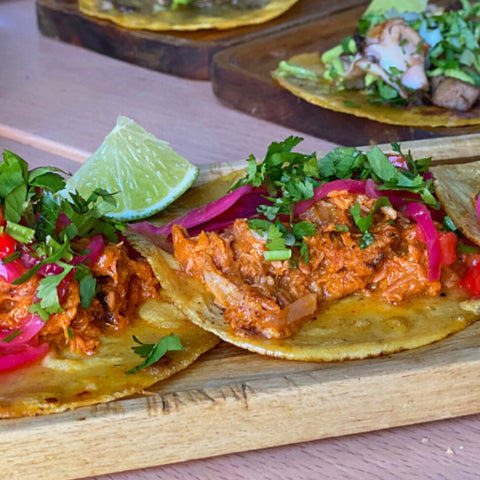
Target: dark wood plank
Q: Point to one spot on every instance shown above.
(241, 80)
(185, 54)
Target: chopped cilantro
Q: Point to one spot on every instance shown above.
(365, 223)
(70, 333)
(87, 285)
(12, 336)
(448, 224)
(366, 240)
(464, 248)
(48, 294)
(291, 177)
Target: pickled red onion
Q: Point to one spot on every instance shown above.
(352, 186)
(95, 247)
(241, 203)
(419, 212)
(11, 271)
(29, 327)
(27, 354)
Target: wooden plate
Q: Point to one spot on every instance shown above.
(265, 402)
(241, 80)
(185, 54)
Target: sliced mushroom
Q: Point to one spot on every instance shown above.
(396, 47)
(394, 52)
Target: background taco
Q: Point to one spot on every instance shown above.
(397, 67)
(159, 15)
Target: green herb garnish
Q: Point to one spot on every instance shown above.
(12, 336)
(152, 352)
(365, 223)
(31, 202)
(288, 177)
(291, 177)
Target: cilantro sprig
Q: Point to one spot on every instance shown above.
(288, 177)
(349, 162)
(153, 352)
(279, 239)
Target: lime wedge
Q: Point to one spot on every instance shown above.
(143, 172)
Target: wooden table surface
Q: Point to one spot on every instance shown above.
(58, 101)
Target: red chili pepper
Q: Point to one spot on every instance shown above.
(7, 245)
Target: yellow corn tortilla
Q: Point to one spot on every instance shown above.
(456, 186)
(355, 327)
(65, 380)
(189, 18)
(318, 91)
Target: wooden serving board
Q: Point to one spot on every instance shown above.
(241, 79)
(185, 54)
(232, 400)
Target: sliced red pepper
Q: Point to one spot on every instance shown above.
(471, 281)
(398, 161)
(448, 247)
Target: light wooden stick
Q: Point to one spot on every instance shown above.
(41, 143)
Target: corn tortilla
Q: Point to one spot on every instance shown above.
(186, 18)
(456, 186)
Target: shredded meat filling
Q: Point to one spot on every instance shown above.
(123, 283)
(273, 299)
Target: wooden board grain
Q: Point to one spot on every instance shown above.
(232, 400)
(185, 54)
(241, 79)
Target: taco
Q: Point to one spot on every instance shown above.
(414, 68)
(83, 318)
(344, 257)
(159, 15)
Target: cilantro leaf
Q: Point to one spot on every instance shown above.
(48, 294)
(152, 352)
(303, 229)
(87, 284)
(365, 223)
(381, 166)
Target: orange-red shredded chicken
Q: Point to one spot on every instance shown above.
(273, 299)
(123, 283)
